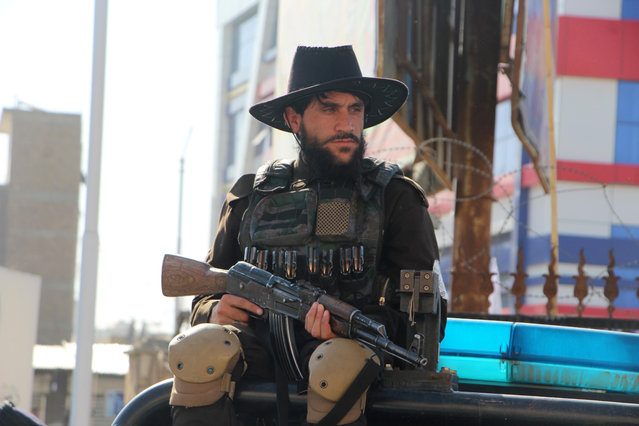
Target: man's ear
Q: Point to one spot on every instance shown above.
(292, 118)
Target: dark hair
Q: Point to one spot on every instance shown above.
(301, 104)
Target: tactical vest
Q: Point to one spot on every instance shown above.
(327, 235)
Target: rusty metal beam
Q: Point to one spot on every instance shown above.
(475, 103)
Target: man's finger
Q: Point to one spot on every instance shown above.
(319, 313)
(327, 330)
(243, 304)
(310, 316)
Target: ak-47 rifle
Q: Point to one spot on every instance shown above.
(282, 301)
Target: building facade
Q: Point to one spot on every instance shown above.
(597, 138)
(247, 37)
(39, 210)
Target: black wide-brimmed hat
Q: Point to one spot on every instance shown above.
(323, 69)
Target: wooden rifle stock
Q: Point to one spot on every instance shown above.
(188, 277)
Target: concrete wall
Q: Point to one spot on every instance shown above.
(19, 300)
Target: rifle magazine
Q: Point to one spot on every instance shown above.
(283, 342)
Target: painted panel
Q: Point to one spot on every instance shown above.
(507, 152)
(587, 128)
(589, 47)
(625, 232)
(567, 270)
(580, 171)
(596, 304)
(598, 173)
(630, 51)
(628, 101)
(625, 251)
(626, 304)
(501, 217)
(584, 227)
(625, 201)
(582, 201)
(610, 9)
(630, 9)
(627, 144)
(596, 249)
(627, 134)
(538, 212)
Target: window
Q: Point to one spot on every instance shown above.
(235, 113)
(244, 34)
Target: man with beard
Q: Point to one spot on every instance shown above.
(331, 218)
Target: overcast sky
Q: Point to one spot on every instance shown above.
(159, 85)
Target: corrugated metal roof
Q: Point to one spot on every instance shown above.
(107, 358)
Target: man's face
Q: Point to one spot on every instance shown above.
(332, 123)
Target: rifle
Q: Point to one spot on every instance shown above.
(282, 302)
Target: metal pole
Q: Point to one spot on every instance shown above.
(178, 307)
(82, 390)
(552, 172)
(181, 191)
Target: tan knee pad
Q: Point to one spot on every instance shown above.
(202, 359)
(333, 366)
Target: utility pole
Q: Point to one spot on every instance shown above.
(475, 103)
(82, 391)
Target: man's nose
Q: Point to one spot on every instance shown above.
(344, 122)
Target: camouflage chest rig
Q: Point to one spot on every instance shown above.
(316, 232)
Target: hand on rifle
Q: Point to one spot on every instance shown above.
(232, 309)
(317, 322)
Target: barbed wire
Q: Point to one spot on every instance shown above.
(510, 207)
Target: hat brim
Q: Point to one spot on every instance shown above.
(384, 95)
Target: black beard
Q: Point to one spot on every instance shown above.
(321, 161)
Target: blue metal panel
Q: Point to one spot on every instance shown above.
(595, 249)
(477, 338)
(575, 346)
(627, 143)
(624, 232)
(630, 9)
(627, 288)
(537, 250)
(627, 134)
(628, 102)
